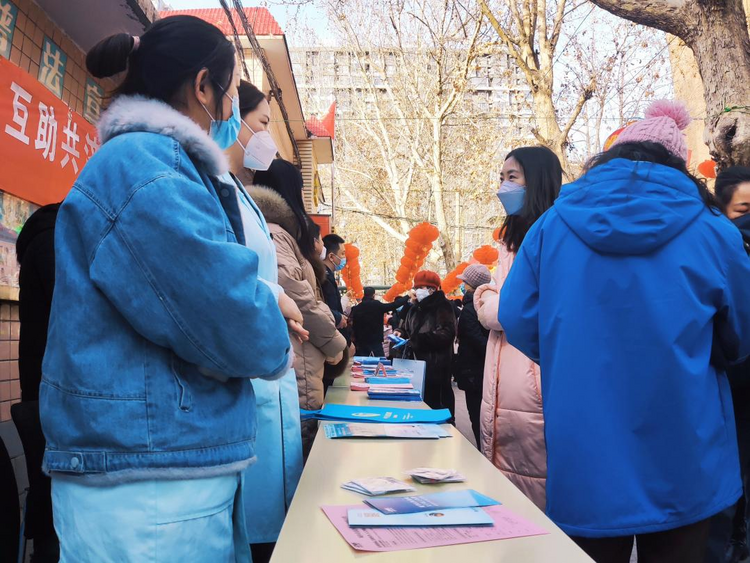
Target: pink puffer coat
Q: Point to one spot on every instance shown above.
(512, 424)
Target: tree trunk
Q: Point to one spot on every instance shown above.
(721, 46)
(548, 131)
(717, 33)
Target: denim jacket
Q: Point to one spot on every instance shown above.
(159, 319)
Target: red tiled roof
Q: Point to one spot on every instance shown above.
(260, 19)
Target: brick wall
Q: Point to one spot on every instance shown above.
(10, 387)
(26, 52)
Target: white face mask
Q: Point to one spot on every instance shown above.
(422, 293)
(323, 253)
(260, 150)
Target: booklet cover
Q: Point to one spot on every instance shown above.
(368, 413)
(414, 431)
(387, 380)
(421, 503)
(364, 518)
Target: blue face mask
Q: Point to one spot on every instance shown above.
(341, 264)
(225, 133)
(512, 196)
(463, 288)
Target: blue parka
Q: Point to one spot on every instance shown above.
(621, 292)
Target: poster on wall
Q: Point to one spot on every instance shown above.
(44, 145)
(13, 214)
(43, 142)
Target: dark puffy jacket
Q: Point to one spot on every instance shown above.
(367, 318)
(468, 367)
(35, 249)
(430, 327)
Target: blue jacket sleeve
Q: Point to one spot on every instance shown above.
(732, 321)
(166, 265)
(519, 298)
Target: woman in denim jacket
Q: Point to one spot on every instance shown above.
(159, 319)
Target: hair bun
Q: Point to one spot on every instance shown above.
(677, 111)
(110, 55)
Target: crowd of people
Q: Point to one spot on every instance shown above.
(196, 311)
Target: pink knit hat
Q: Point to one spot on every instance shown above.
(664, 123)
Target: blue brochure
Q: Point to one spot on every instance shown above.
(364, 518)
(366, 413)
(387, 380)
(393, 394)
(371, 360)
(397, 340)
(467, 498)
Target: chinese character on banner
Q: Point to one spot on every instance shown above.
(92, 145)
(69, 144)
(20, 114)
(46, 133)
(52, 67)
(92, 101)
(8, 17)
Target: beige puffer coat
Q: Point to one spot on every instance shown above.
(297, 277)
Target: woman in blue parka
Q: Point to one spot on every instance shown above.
(160, 318)
(624, 292)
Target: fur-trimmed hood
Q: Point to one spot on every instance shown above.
(275, 209)
(130, 114)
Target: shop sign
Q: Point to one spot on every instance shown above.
(52, 67)
(92, 101)
(8, 18)
(43, 142)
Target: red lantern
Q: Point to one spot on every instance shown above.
(707, 168)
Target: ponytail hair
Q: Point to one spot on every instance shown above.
(167, 57)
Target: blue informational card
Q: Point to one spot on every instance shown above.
(364, 518)
(387, 380)
(467, 498)
(393, 395)
(367, 413)
(371, 360)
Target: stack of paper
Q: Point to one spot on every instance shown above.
(383, 393)
(373, 486)
(466, 498)
(505, 525)
(364, 518)
(430, 476)
(367, 413)
(397, 431)
(361, 386)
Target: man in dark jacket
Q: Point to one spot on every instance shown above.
(335, 261)
(35, 249)
(367, 321)
(430, 328)
(468, 367)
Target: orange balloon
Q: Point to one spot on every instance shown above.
(707, 168)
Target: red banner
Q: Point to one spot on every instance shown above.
(43, 143)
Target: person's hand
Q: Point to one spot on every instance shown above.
(412, 296)
(398, 333)
(343, 322)
(289, 308)
(336, 359)
(297, 330)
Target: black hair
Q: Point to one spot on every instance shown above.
(314, 228)
(284, 178)
(250, 97)
(332, 242)
(727, 182)
(648, 151)
(169, 55)
(543, 174)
